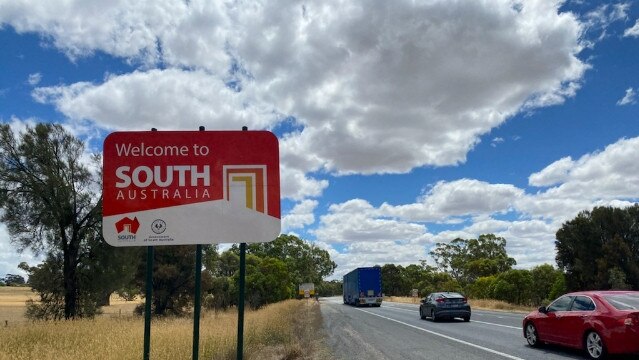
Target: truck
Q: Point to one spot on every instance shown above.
(363, 287)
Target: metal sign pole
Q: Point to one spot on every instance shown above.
(147, 305)
(147, 298)
(240, 305)
(198, 296)
(198, 291)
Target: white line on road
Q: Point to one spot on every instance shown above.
(445, 336)
(475, 321)
(488, 323)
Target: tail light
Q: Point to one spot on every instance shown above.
(440, 300)
(464, 300)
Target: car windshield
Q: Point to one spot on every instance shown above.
(451, 295)
(623, 301)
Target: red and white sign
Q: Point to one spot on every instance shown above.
(190, 187)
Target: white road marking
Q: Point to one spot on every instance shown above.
(445, 336)
(474, 314)
(488, 323)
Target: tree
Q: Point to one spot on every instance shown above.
(50, 199)
(393, 280)
(13, 280)
(306, 262)
(173, 287)
(543, 279)
(451, 258)
(439, 281)
(467, 260)
(558, 287)
(596, 242)
(513, 286)
(266, 281)
(329, 288)
(482, 287)
(274, 270)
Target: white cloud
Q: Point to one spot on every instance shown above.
(34, 79)
(375, 89)
(164, 99)
(528, 222)
(356, 220)
(301, 215)
(145, 31)
(462, 197)
(605, 14)
(296, 185)
(496, 141)
(552, 174)
(632, 31)
(629, 98)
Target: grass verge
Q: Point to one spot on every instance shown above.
(287, 330)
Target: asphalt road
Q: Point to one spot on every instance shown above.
(395, 331)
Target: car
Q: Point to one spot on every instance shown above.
(445, 304)
(599, 322)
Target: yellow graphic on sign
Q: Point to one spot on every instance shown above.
(245, 185)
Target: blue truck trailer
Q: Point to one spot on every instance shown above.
(363, 287)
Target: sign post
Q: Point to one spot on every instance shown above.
(190, 187)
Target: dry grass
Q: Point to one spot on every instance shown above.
(286, 330)
(488, 304)
(12, 306)
(483, 304)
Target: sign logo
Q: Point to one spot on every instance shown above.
(127, 225)
(245, 186)
(158, 226)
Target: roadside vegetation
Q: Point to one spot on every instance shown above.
(597, 250)
(286, 330)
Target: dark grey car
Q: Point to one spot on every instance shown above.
(444, 305)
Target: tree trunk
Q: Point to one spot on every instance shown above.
(105, 299)
(71, 283)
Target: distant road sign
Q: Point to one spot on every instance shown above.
(190, 187)
(306, 288)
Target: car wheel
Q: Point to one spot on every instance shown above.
(466, 318)
(421, 314)
(433, 316)
(594, 346)
(531, 335)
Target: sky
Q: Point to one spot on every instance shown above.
(401, 124)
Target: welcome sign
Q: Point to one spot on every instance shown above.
(190, 187)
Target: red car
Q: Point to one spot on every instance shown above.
(600, 322)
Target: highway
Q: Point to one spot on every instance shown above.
(395, 331)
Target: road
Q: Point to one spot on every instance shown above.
(395, 331)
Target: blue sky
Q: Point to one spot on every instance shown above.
(401, 124)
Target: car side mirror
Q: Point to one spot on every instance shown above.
(543, 310)
(422, 301)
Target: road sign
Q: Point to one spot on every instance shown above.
(306, 288)
(190, 187)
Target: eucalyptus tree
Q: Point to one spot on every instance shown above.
(599, 249)
(51, 201)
